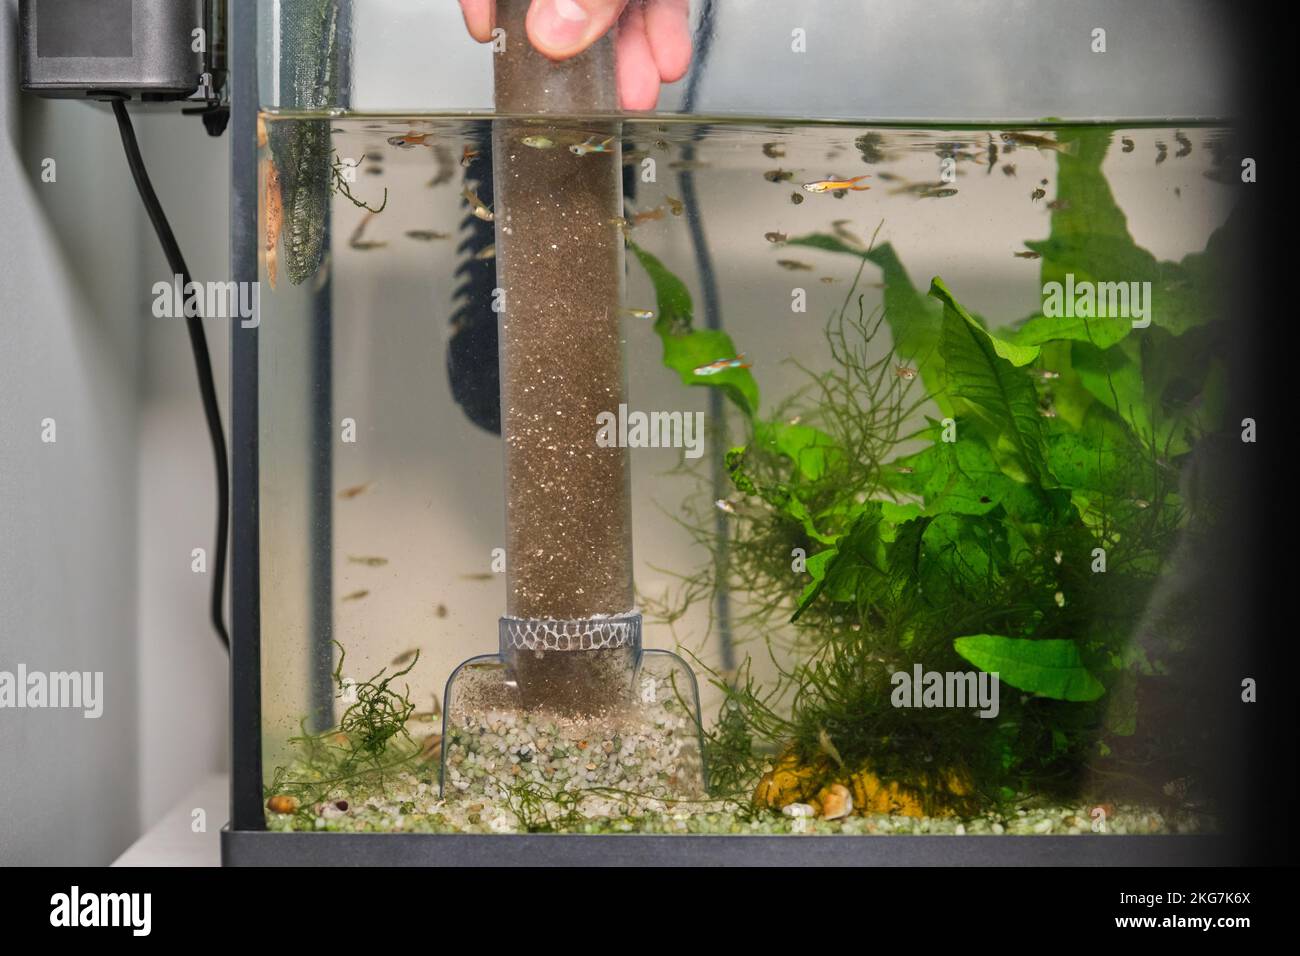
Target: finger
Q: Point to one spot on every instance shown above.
(560, 29)
(634, 64)
(480, 17)
(668, 28)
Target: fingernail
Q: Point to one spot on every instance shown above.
(559, 24)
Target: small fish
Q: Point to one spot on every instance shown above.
(538, 142)
(480, 211)
(796, 198)
(828, 747)
(773, 150)
(914, 189)
(847, 235)
(619, 221)
(1048, 412)
(375, 170)
(661, 145)
(405, 656)
(650, 215)
(888, 177)
(430, 749)
(347, 494)
(1038, 194)
(468, 156)
(478, 576)
(722, 364)
(829, 279)
(794, 265)
(835, 185)
(688, 164)
(370, 562)
(367, 245)
(1178, 192)
(592, 145)
(992, 154)
(487, 252)
(410, 140)
(1048, 375)
(640, 313)
(1162, 153)
(1059, 204)
(1126, 144)
(675, 206)
(1184, 144)
(939, 193)
(1008, 169)
(723, 504)
(446, 167)
(779, 176)
(426, 235)
(1038, 142)
(906, 470)
(1027, 254)
(440, 611)
(1042, 182)
(775, 237)
(355, 595)
(905, 373)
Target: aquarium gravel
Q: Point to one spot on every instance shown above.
(412, 805)
(637, 772)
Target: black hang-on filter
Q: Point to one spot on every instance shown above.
(116, 49)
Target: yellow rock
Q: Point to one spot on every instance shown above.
(830, 789)
(871, 795)
(787, 782)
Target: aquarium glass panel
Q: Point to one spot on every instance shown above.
(925, 431)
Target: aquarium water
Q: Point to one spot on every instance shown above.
(923, 427)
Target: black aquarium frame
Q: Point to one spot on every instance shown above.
(245, 841)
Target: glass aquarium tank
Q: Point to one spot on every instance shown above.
(823, 460)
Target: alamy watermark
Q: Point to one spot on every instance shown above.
(634, 429)
(130, 910)
(210, 300)
(958, 689)
(1098, 300)
(74, 690)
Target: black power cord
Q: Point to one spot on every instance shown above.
(202, 362)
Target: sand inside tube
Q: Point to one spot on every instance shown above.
(559, 265)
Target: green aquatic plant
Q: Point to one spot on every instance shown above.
(370, 740)
(1024, 537)
(342, 179)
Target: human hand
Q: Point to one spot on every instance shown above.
(653, 44)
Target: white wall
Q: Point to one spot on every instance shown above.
(68, 351)
(96, 529)
(184, 706)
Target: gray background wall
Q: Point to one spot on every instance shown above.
(96, 529)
